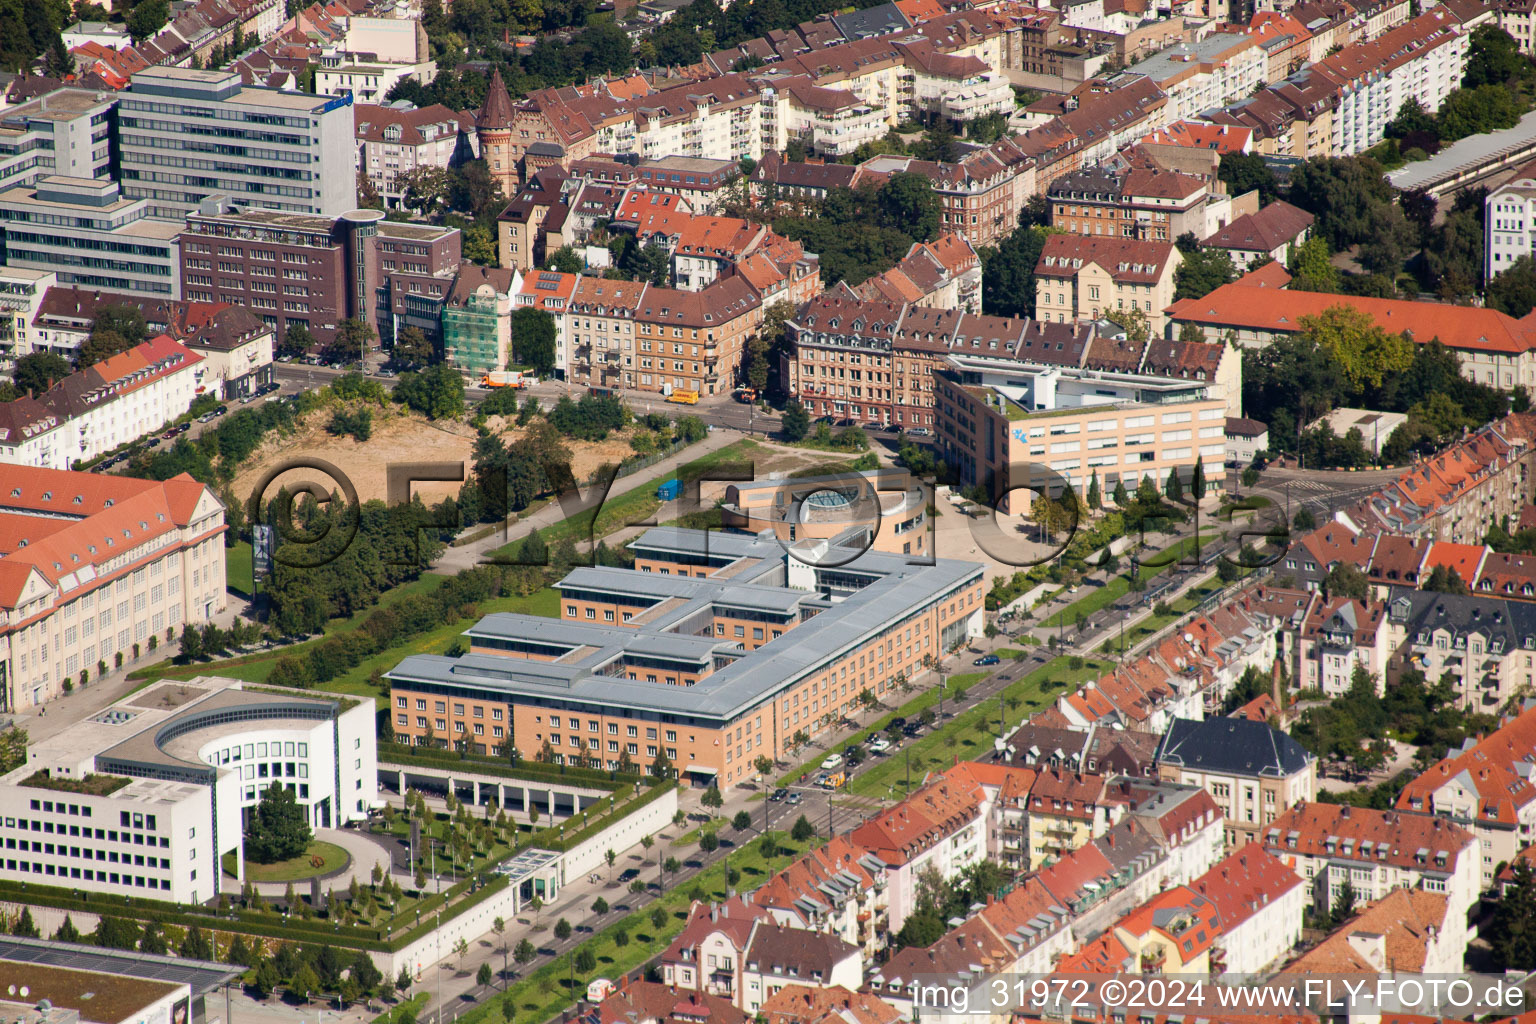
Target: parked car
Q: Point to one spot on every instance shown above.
(988, 659)
(778, 794)
(206, 417)
(833, 761)
(899, 722)
(879, 745)
(269, 387)
(911, 730)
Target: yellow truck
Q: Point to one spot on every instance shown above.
(684, 397)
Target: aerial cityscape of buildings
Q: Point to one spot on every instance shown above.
(826, 510)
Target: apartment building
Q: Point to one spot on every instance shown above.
(1065, 810)
(1401, 935)
(153, 793)
(89, 234)
(980, 195)
(95, 565)
(21, 296)
(1146, 203)
(1375, 852)
(1423, 60)
(839, 888)
(1260, 904)
(939, 828)
(1485, 645)
(751, 662)
(393, 142)
(601, 329)
(281, 151)
(1485, 786)
(993, 417)
(550, 292)
(477, 319)
(944, 274)
(105, 406)
(1267, 234)
(1206, 73)
(735, 950)
(1339, 635)
(1510, 210)
(1082, 277)
(1254, 771)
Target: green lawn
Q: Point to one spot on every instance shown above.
(1109, 593)
(544, 602)
(332, 858)
(237, 568)
(634, 506)
(969, 735)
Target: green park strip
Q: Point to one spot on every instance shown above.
(408, 1009)
(969, 734)
(556, 985)
(911, 711)
(1109, 593)
(635, 506)
(356, 681)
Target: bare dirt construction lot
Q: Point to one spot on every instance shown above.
(398, 437)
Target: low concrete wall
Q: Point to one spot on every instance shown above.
(620, 836)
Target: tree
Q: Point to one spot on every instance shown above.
(24, 926)
(1008, 272)
(153, 940)
(708, 841)
(1344, 580)
(1197, 479)
(1202, 272)
(524, 953)
(196, 945)
(796, 421)
(425, 189)
(1512, 291)
(600, 906)
(411, 346)
(1244, 172)
(1303, 520)
(742, 821)
(802, 830)
(1444, 579)
(116, 933)
(59, 62)
(147, 18)
(1343, 904)
(1364, 351)
(296, 341)
(437, 391)
(586, 962)
(712, 798)
(483, 975)
(36, 372)
(1174, 486)
(69, 933)
(907, 203)
(279, 829)
(1121, 498)
(1493, 58)
(1513, 932)
(562, 929)
(1391, 241)
(1095, 499)
(1478, 111)
(1311, 267)
(533, 339)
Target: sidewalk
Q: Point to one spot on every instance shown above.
(457, 559)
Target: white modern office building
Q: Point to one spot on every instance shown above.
(185, 135)
(145, 797)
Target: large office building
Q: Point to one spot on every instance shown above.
(185, 135)
(92, 566)
(995, 416)
(90, 235)
(315, 271)
(146, 797)
(716, 649)
(68, 132)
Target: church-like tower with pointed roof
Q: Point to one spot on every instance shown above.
(493, 127)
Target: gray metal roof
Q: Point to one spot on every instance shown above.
(897, 590)
(1231, 746)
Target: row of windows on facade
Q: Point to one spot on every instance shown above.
(90, 874)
